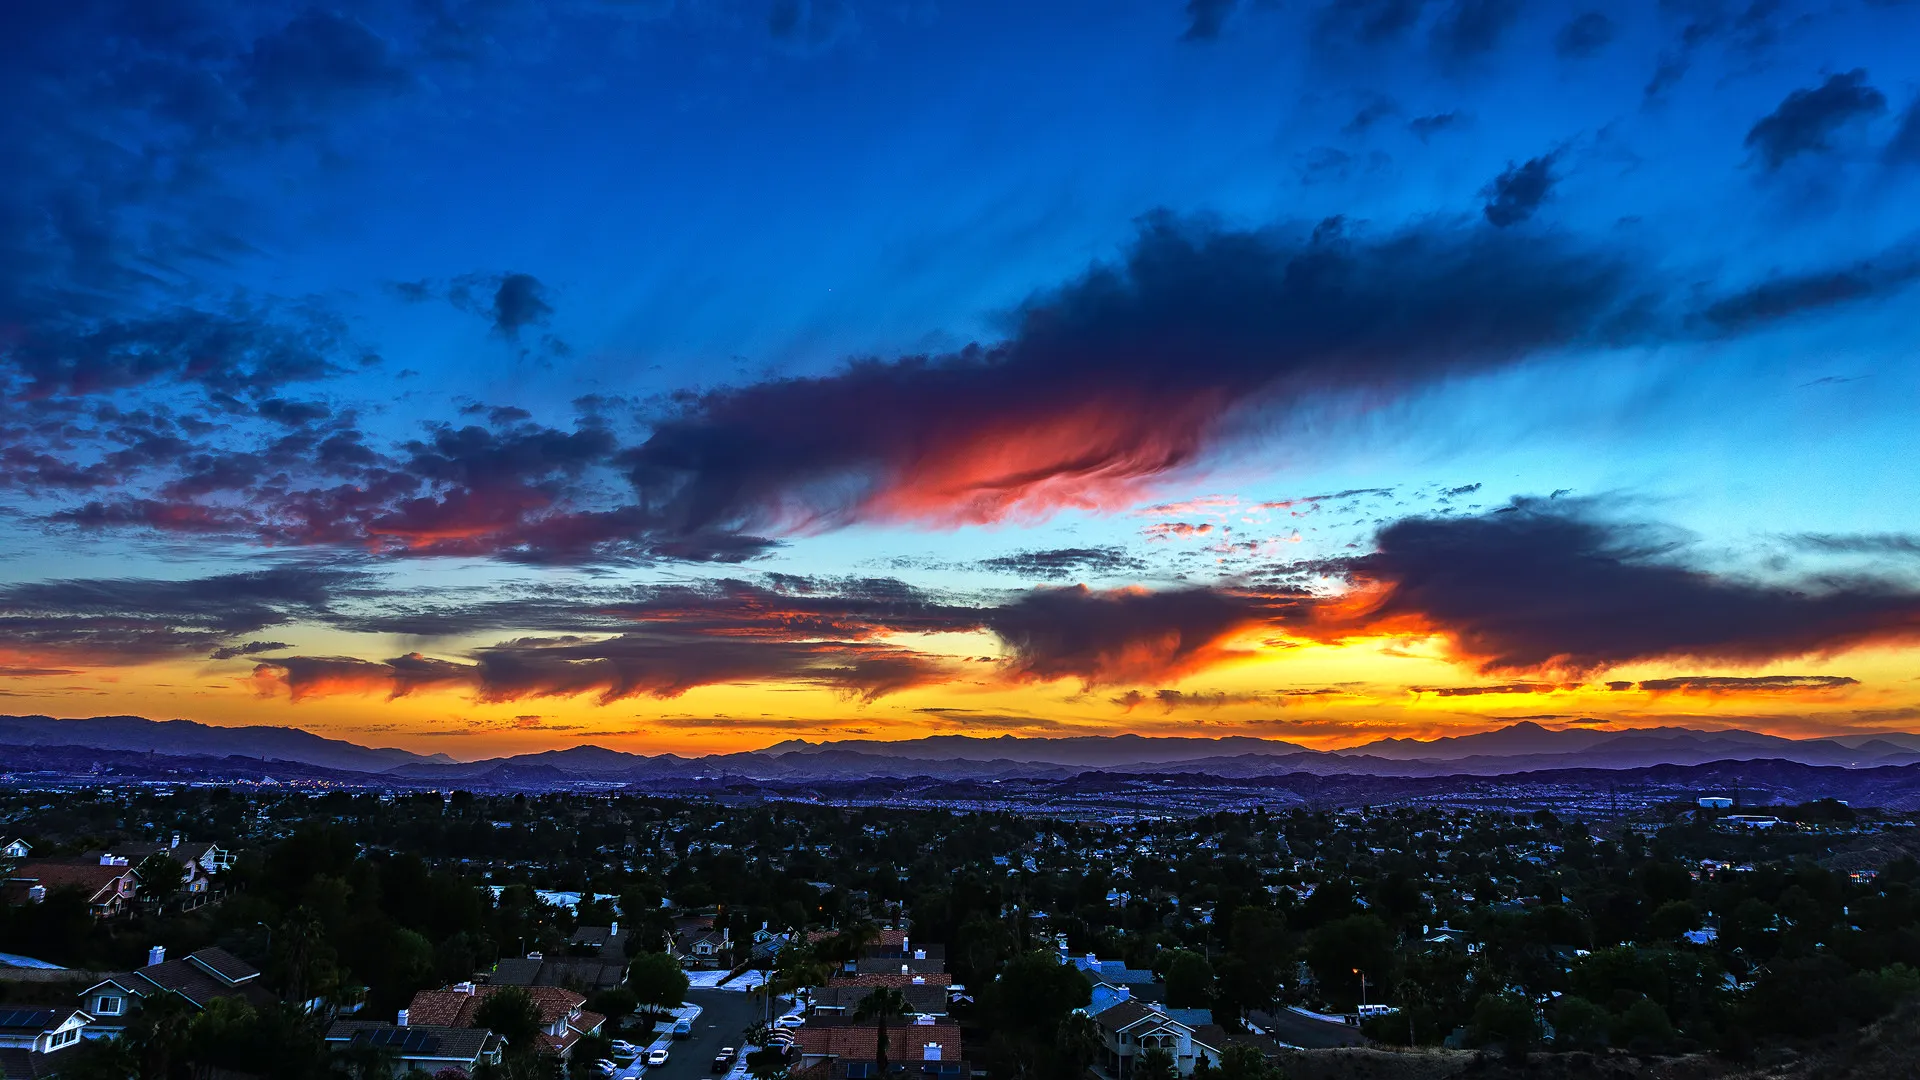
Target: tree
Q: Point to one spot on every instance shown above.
(1643, 1028)
(656, 979)
(1189, 979)
(1243, 1062)
(510, 1013)
(160, 877)
(1341, 951)
(1155, 1063)
(770, 1063)
(1076, 1046)
(1579, 1024)
(881, 1004)
(1505, 1020)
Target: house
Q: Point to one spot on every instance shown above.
(424, 1047)
(15, 849)
(108, 885)
(697, 940)
(563, 1021)
(596, 960)
(851, 1052)
(200, 861)
(31, 1034)
(200, 978)
(1128, 1028)
(843, 999)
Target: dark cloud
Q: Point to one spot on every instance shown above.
(1469, 28)
(1205, 18)
(1760, 684)
(1585, 35)
(1861, 543)
(1057, 563)
(1501, 688)
(1127, 635)
(1790, 295)
(1807, 119)
(251, 648)
(131, 620)
(1368, 22)
(1122, 375)
(1425, 127)
(1456, 492)
(1370, 114)
(315, 64)
(1904, 148)
(1515, 194)
(808, 24)
(519, 301)
(1554, 586)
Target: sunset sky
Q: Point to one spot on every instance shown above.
(487, 376)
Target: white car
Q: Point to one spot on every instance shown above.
(605, 1067)
(624, 1049)
(791, 1020)
(657, 1056)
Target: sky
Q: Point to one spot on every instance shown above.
(494, 376)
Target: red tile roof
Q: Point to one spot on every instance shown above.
(90, 878)
(905, 1042)
(455, 1008)
(894, 979)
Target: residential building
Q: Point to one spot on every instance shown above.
(30, 1036)
(109, 886)
(428, 1048)
(563, 1020)
(199, 978)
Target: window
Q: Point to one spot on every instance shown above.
(109, 1005)
(62, 1038)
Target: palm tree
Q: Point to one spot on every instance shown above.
(877, 1006)
(849, 944)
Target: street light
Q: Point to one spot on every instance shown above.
(1363, 989)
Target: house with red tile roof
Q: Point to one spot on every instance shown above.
(852, 1051)
(108, 885)
(563, 1019)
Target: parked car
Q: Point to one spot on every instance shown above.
(682, 1028)
(791, 1020)
(605, 1067)
(723, 1060)
(656, 1056)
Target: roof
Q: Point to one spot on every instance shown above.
(893, 979)
(1129, 1014)
(877, 964)
(589, 972)
(923, 999)
(30, 1019)
(455, 1008)
(188, 980)
(224, 964)
(18, 1063)
(90, 878)
(515, 971)
(905, 1042)
(414, 1040)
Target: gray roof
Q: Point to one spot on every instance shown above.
(424, 1041)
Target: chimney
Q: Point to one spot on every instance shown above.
(930, 1052)
(36, 893)
(463, 988)
(614, 930)
(903, 969)
(156, 955)
(401, 1019)
(176, 839)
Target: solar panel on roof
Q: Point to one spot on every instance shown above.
(405, 1040)
(22, 1018)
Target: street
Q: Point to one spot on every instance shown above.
(724, 1018)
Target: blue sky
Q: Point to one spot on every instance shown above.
(515, 296)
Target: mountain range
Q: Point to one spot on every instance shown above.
(1521, 747)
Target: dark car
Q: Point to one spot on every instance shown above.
(723, 1060)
